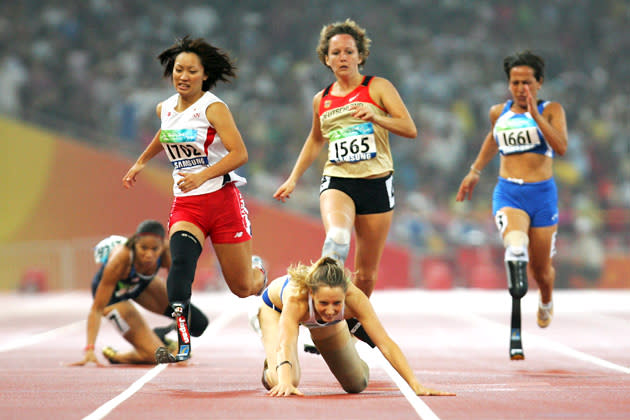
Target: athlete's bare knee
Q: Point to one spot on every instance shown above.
(540, 271)
(365, 282)
(240, 290)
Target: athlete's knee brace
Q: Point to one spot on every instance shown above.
(337, 244)
(516, 258)
(185, 251)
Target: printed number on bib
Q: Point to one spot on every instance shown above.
(352, 144)
(518, 140)
(181, 149)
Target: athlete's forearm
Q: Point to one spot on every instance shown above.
(93, 326)
(228, 163)
(307, 156)
(397, 359)
(151, 150)
(557, 139)
(404, 127)
(487, 152)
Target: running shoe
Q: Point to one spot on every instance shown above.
(163, 355)
(257, 263)
(110, 354)
(545, 314)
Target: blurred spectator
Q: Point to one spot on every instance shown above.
(72, 66)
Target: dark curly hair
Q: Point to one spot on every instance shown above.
(216, 63)
(525, 58)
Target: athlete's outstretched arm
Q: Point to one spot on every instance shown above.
(312, 147)
(488, 151)
(361, 307)
(149, 153)
(287, 363)
(115, 269)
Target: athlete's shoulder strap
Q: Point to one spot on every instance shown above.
(541, 103)
(366, 80)
(327, 90)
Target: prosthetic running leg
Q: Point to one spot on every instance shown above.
(185, 251)
(181, 314)
(516, 259)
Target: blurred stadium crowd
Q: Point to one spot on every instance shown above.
(88, 68)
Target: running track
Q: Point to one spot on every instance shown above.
(578, 368)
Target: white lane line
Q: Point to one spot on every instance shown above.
(374, 358)
(555, 346)
(215, 326)
(19, 342)
(106, 408)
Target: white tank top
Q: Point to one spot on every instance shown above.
(192, 144)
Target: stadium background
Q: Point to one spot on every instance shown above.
(80, 82)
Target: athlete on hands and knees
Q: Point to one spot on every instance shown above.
(321, 297)
(527, 132)
(353, 117)
(205, 147)
(128, 272)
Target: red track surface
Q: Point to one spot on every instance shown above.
(578, 368)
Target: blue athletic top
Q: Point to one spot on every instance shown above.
(519, 133)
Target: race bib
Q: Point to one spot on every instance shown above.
(181, 148)
(352, 144)
(517, 140)
(104, 247)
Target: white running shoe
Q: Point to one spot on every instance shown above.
(257, 263)
(545, 314)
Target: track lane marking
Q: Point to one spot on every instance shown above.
(553, 345)
(213, 329)
(374, 358)
(38, 338)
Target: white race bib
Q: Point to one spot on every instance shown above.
(517, 140)
(181, 148)
(352, 144)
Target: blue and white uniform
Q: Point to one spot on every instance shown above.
(517, 133)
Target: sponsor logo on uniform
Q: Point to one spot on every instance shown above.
(327, 103)
(183, 331)
(353, 98)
